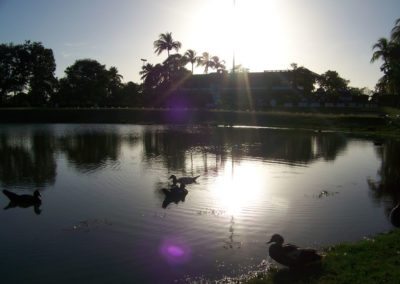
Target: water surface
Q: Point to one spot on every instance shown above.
(105, 219)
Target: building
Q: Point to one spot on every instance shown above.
(241, 90)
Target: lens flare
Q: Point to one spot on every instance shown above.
(175, 251)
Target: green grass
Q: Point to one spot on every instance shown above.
(372, 260)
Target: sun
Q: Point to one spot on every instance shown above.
(252, 30)
(258, 34)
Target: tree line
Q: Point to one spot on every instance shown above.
(388, 50)
(27, 76)
(164, 76)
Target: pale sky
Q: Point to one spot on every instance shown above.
(264, 34)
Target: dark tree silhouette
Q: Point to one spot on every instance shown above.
(26, 71)
(395, 35)
(166, 42)
(130, 95)
(153, 75)
(205, 60)
(13, 70)
(146, 71)
(191, 57)
(218, 64)
(383, 49)
(303, 79)
(87, 84)
(332, 83)
(389, 52)
(42, 82)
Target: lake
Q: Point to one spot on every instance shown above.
(104, 217)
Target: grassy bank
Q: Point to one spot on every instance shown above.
(367, 120)
(374, 260)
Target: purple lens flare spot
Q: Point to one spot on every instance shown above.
(175, 251)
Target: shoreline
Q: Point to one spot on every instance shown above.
(369, 260)
(361, 121)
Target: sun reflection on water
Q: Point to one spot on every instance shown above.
(239, 185)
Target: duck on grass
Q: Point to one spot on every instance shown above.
(291, 255)
(370, 260)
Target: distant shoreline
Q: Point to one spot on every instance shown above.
(360, 120)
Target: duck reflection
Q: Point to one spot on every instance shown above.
(174, 194)
(24, 200)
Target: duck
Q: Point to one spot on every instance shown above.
(24, 200)
(185, 180)
(291, 255)
(176, 190)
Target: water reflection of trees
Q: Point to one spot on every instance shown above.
(27, 164)
(29, 159)
(387, 188)
(91, 150)
(174, 147)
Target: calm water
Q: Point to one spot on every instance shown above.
(102, 218)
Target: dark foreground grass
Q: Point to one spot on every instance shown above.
(372, 260)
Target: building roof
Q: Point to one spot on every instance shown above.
(253, 80)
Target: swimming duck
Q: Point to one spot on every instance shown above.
(185, 180)
(174, 189)
(291, 255)
(24, 200)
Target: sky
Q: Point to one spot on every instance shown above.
(320, 35)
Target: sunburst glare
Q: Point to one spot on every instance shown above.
(252, 30)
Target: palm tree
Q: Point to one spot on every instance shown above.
(174, 62)
(146, 70)
(218, 64)
(396, 32)
(115, 80)
(383, 50)
(205, 61)
(389, 52)
(115, 76)
(191, 57)
(166, 42)
(153, 76)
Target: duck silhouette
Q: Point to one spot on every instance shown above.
(174, 194)
(291, 255)
(24, 200)
(185, 180)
